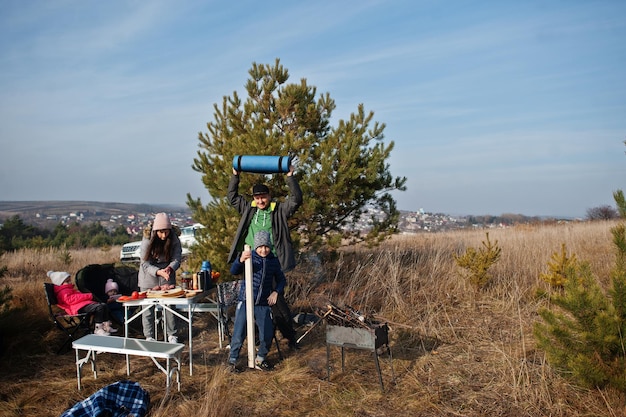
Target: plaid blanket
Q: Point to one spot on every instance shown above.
(121, 399)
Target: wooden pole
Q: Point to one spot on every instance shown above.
(249, 309)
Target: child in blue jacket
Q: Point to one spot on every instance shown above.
(268, 280)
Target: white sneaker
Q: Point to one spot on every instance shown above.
(172, 339)
(150, 339)
(107, 325)
(101, 332)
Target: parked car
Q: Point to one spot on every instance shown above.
(131, 252)
(188, 237)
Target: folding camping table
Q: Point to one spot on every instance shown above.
(168, 304)
(95, 344)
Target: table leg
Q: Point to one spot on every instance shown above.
(78, 366)
(125, 320)
(220, 332)
(178, 360)
(168, 377)
(189, 320)
(126, 335)
(91, 357)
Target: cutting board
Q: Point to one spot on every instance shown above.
(174, 292)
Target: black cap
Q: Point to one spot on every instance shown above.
(260, 189)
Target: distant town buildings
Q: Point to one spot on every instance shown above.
(419, 221)
(133, 222)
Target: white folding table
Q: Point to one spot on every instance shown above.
(186, 304)
(95, 344)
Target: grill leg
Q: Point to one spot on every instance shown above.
(343, 360)
(380, 376)
(393, 375)
(328, 361)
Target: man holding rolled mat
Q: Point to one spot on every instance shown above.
(264, 214)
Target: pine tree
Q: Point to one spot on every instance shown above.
(342, 170)
(584, 335)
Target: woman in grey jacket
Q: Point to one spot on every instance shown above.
(161, 254)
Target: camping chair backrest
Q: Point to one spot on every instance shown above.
(228, 293)
(227, 296)
(51, 297)
(92, 278)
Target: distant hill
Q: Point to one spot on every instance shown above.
(10, 208)
(48, 214)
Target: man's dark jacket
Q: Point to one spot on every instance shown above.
(280, 228)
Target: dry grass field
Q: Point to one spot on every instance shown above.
(455, 352)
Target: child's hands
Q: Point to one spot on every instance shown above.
(245, 255)
(271, 300)
(113, 298)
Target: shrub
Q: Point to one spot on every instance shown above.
(476, 263)
(559, 268)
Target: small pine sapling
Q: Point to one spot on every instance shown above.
(476, 263)
(559, 268)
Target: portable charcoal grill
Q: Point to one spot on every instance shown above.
(346, 328)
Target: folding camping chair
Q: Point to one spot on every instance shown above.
(74, 326)
(227, 293)
(92, 278)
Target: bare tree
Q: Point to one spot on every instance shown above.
(605, 212)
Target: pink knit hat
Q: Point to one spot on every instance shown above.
(161, 222)
(111, 285)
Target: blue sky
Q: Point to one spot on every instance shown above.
(494, 106)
